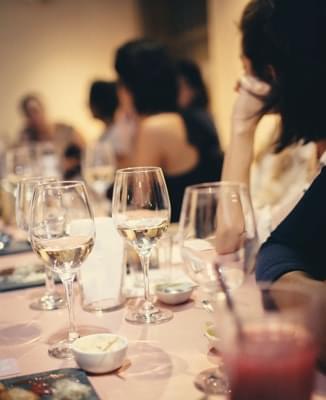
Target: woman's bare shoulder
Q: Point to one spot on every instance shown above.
(164, 123)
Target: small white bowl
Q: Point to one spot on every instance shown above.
(211, 336)
(99, 353)
(174, 293)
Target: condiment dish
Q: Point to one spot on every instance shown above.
(100, 353)
(174, 293)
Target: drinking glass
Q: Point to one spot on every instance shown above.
(98, 168)
(141, 212)
(49, 159)
(50, 300)
(217, 231)
(23, 161)
(62, 233)
(19, 162)
(274, 357)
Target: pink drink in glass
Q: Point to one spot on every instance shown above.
(272, 365)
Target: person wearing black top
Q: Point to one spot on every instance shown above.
(299, 242)
(180, 142)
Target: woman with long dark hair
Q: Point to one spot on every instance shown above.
(181, 144)
(284, 47)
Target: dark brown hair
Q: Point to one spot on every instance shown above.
(285, 41)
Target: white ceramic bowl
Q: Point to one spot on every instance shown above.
(210, 334)
(174, 293)
(99, 353)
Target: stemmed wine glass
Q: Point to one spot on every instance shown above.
(62, 233)
(141, 212)
(98, 168)
(217, 232)
(50, 300)
(19, 162)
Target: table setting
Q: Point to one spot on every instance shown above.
(176, 328)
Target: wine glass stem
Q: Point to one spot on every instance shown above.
(144, 259)
(49, 281)
(69, 289)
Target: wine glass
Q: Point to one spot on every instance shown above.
(22, 161)
(98, 168)
(217, 230)
(19, 162)
(50, 300)
(141, 212)
(62, 233)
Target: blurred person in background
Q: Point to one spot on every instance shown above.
(192, 92)
(39, 129)
(179, 143)
(72, 158)
(119, 127)
(193, 96)
(103, 103)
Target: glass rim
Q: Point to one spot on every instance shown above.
(46, 179)
(131, 170)
(60, 184)
(216, 185)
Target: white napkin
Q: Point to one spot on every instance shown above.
(102, 273)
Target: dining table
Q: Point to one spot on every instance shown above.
(162, 360)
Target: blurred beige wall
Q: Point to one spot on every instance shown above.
(224, 52)
(56, 48)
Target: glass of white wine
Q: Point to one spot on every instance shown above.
(98, 168)
(62, 233)
(218, 236)
(19, 162)
(141, 212)
(50, 300)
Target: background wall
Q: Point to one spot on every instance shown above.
(224, 54)
(56, 48)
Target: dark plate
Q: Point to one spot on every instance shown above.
(43, 384)
(22, 277)
(15, 247)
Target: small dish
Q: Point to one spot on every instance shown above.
(100, 353)
(174, 293)
(210, 333)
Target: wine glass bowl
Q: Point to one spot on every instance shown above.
(141, 212)
(217, 229)
(62, 232)
(50, 300)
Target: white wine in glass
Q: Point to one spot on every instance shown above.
(98, 168)
(50, 300)
(62, 232)
(141, 212)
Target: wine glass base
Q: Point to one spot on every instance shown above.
(61, 350)
(212, 381)
(48, 302)
(139, 317)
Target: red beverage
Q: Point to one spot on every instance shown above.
(272, 365)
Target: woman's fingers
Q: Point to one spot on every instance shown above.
(254, 86)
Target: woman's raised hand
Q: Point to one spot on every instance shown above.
(249, 103)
